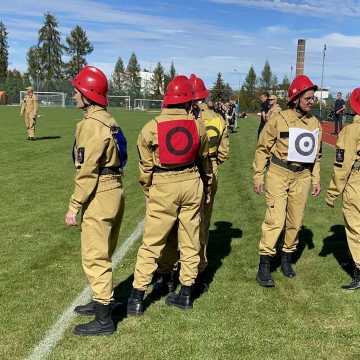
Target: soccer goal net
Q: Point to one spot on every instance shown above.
(119, 101)
(147, 104)
(47, 98)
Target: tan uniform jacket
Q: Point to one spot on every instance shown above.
(30, 106)
(147, 145)
(94, 149)
(347, 152)
(222, 141)
(275, 109)
(273, 141)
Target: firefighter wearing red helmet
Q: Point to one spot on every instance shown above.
(346, 182)
(219, 152)
(291, 142)
(99, 155)
(174, 173)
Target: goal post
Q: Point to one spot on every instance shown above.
(47, 98)
(147, 104)
(122, 101)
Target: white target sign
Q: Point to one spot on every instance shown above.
(303, 145)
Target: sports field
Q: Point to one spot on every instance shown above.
(308, 317)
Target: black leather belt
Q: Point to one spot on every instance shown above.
(288, 165)
(110, 171)
(158, 169)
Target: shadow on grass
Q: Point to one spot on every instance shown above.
(336, 245)
(218, 249)
(47, 138)
(306, 240)
(121, 294)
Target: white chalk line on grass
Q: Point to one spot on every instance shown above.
(56, 332)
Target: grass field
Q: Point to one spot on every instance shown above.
(308, 317)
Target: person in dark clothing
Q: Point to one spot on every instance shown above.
(265, 106)
(339, 109)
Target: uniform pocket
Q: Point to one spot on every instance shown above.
(269, 216)
(109, 182)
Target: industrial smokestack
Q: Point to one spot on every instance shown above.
(300, 57)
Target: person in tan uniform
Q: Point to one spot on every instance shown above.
(175, 171)
(29, 110)
(274, 107)
(346, 182)
(99, 157)
(291, 141)
(219, 151)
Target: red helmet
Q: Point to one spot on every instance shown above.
(299, 85)
(355, 100)
(199, 88)
(93, 84)
(178, 91)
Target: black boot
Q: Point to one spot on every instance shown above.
(135, 303)
(355, 283)
(182, 300)
(201, 283)
(87, 309)
(286, 267)
(101, 325)
(263, 275)
(165, 283)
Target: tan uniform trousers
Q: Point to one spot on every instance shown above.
(286, 196)
(351, 212)
(100, 227)
(30, 123)
(170, 255)
(168, 204)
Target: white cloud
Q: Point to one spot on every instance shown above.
(334, 40)
(304, 7)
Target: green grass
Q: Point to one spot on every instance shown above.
(308, 317)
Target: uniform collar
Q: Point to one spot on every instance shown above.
(90, 110)
(305, 118)
(173, 111)
(203, 106)
(356, 119)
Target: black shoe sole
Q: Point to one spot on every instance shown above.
(344, 287)
(288, 275)
(103, 333)
(265, 284)
(182, 307)
(85, 313)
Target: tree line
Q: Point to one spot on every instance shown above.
(48, 71)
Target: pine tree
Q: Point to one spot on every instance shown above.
(218, 92)
(4, 53)
(51, 49)
(33, 58)
(133, 83)
(228, 92)
(118, 78)
(168, 76)
(13, 85)
(266, 77)
(78, 46)
(157, 82)
(249, 85)
(285, 83)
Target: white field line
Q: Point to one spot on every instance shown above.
(56, 332)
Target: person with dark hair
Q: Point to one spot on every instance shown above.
(264, 108)
(99, 158)
(339, 110)
(291, 142)
(346, 182)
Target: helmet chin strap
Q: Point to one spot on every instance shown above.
(298, 108)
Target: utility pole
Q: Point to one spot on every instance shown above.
(322, 80)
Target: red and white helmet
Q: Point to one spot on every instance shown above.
(355, 100)
(300, 85)
(93, 84)
(178, 91)
(199, 88)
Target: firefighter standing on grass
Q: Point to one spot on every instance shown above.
(218, 137)
(291, 141)
(346, 182)
(29, 110)
(99, 156)
(174, 172)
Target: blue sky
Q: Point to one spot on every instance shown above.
(203, 36)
